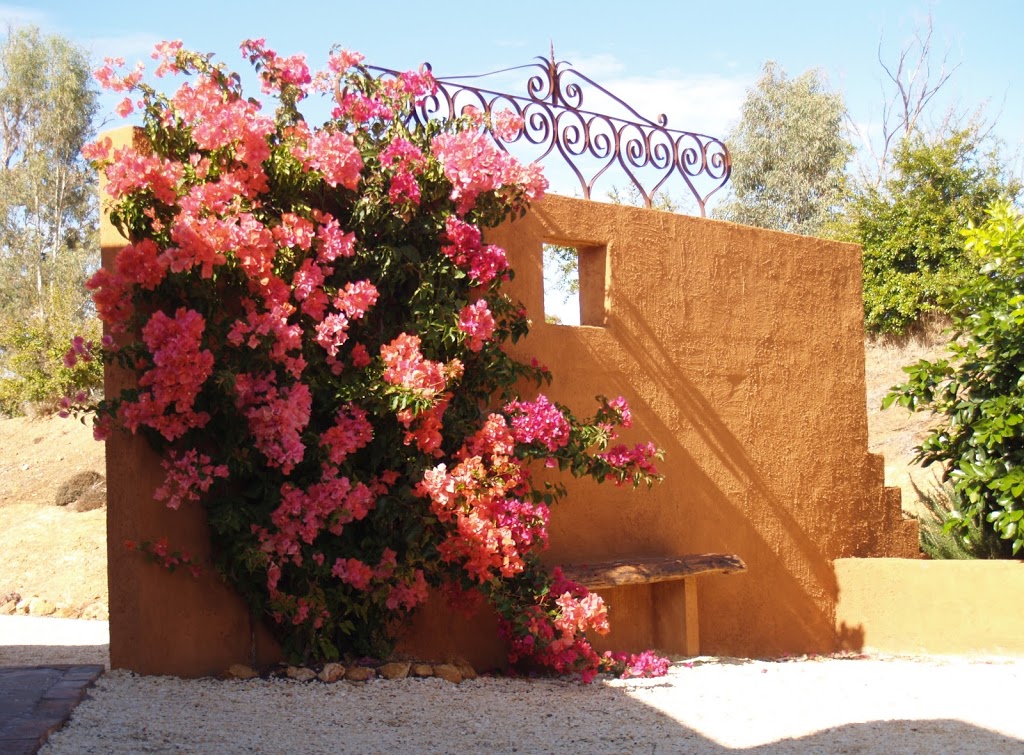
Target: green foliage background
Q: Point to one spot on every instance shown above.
(910, 227)
(979, 389)
(48, 218)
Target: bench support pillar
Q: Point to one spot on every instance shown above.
(692, 623)
(674, 616)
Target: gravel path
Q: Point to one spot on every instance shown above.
(891, 705)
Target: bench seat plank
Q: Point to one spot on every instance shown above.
(648, 569)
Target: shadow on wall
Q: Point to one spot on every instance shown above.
(762, 528)
(690, 512)
(849, 639)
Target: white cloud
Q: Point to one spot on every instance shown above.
(131, 46)
(21, 15)
(707, 104)
(596, 67)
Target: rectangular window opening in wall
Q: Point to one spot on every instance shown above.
(575, 284)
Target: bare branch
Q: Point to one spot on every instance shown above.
(912, 83)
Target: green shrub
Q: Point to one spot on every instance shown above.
(911, 227)
(980, 388)
(34, 372)
(946, 534)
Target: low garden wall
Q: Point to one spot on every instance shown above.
(894, 605)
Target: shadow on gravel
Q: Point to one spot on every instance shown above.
(126, 713)
(46, 655)
(892, 737)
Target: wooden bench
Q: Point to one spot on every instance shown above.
(648, 570)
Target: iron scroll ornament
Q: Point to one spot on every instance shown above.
(589, 142)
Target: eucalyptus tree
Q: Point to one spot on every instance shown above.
(789, 154)
(48, 206)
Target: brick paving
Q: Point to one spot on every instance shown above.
(37, 700)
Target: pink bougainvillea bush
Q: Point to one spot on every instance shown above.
(317, 326)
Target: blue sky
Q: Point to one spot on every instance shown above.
(691, 61)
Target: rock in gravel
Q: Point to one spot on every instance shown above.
(72, 488)
(359, 674)
(97, 611)
(300, 673)
(8, 608)
(421, 670)
(395, 670)
(40, 607)
(464, 667)
(331, 673)
(448, 672)
(93, 498)
(241, 671)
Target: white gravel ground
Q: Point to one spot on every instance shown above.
(874, 705)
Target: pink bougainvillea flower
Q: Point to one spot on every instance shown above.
(107, 76)
(335, 156)
(98, 150)
(141, 264)
(474, 164)
(465, 249)
(632, 462)
(79, 349)
(506, 125)
(294, 230)
(276, 416)
(620, 406)
(277, 72)
(350, 432)
(125, 107)
(477, 322)
(360, 356)
(405, 366)
(341, 60)
(188, 476)
(409, 594)
(131, 171)
(180, 369)
(332, 242)
(539, 421)
(354, 572)
(166, 53)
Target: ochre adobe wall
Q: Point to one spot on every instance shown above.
(741, 354)
(162, 622)
(894, 605)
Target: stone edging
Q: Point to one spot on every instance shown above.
(36, 701)
(455, 672)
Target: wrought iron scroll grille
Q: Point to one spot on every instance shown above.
(590, 142)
